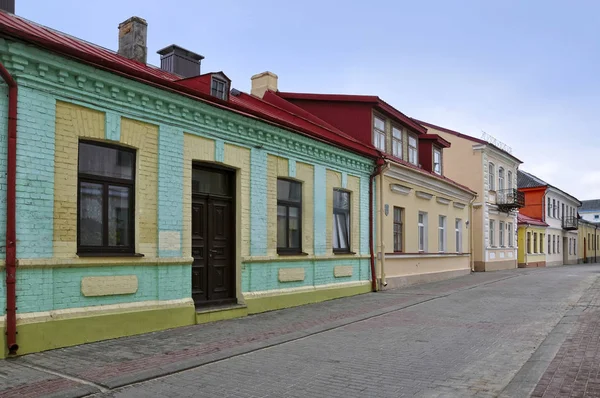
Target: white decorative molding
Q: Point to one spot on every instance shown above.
(426, 181)
(459, 205)
(92, 286)
(291, 274)
(442, 201)
(423, 195)
(495, 212)
(401, 189)
(340, 271)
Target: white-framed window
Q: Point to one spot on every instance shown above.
(511, 241)
(437, 161)
(541, 243)
(553, 244)
(341, 221)
(458, 234)
(558, 242)
(379, 133)
(500, 178)
(510, 180)
(554, 208)
(570, 248)
(397, 142)
(535, 242)
(529, 242)
(575, 245)
(492, 233)
(442, 234)
(562, 210)
(422, 221)
(492, 176)
(549, 244)
(412, 149)
(549, 209)
(219, 89)
(501, 233)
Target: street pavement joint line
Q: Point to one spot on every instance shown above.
(276, 344)
(64, 376)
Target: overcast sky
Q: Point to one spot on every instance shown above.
(525, 72)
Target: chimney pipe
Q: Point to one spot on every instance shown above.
(262, 82)
(178, 60)
(132, 39)
(8, 6)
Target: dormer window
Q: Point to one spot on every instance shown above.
(412, 149)
(437, 161)
(218, 88)
(379, 133)
(397, 142)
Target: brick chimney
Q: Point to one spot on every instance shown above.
(132, 39)
(8, 6)
(263, 82)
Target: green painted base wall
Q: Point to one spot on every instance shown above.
(42, 336)
(221, 315)
(263, 304)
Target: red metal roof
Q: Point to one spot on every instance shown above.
(372, 99)
(436, 139)
(297, 116)
(467, 137)
(522, 219)
(102, 58)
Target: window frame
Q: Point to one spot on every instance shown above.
(442, 237)
(458, 234)
(400, 231)
(535, 243)
(501, 178)
(348, 213)
(106, 182)
(377, 132)
(214, 89)
(413, 149)
(492, 227)
(422, 245)
(509, 179)
(288, 203)
(491, 176)
(397, 141)
(437, 150)
(511, 242)
(549, 207)
(528, 242)
(553, 208)
(501, 233)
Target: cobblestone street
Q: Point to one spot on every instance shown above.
(508, 333)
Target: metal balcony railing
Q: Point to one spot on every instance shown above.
(570, 223)
(509, 199)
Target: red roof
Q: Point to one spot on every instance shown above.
(372, 99)
(102, 58)
(468, 137)
(436, 139)
(522, 219)
(271, 105)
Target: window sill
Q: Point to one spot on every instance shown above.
(91, 254)
(292, 254)
(343, 253)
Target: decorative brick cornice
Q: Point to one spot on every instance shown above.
(71, 80)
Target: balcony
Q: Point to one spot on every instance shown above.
(570, 223)
(509, 199)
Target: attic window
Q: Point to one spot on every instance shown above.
(218, 88)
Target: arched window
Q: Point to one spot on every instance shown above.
(500, 178)
(492, 176)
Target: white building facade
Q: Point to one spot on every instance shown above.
(590, 210)
(561, 235)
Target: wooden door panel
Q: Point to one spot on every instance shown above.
(220, 260)
(199, 253)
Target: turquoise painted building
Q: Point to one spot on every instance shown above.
(146, 196)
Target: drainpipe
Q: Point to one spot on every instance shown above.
(471, 236)
(385, 168)
(11, 239)
(378, 166)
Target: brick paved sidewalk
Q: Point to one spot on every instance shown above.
(109, 364)
(575, 370)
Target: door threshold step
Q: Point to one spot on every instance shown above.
(220, 313)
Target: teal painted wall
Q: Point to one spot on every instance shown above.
(263, 276)
(46, 289)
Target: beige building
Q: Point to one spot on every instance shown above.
(588, 247)
(492, 173)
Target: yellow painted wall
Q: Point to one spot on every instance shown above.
(584, 231)
(412, 262)
(74, 122)
(306, 174)
(527, 255)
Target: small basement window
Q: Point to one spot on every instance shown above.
(218, 89)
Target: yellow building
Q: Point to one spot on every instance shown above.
(492, 172)
(588, 247)
(531, 238)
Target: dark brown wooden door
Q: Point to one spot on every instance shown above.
(213, 271)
